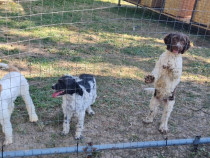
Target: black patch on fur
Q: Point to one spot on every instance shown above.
(155, 94)
(65, 120)
(172, 97)
(69, 85)
(85, 81)
(87, 77)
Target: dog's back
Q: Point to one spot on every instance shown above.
(12, 82)
(89, 83)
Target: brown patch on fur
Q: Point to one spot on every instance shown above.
(172, 39)
(168, 70)
(172, 97)
(159, 95)
(162, 92)
(13, 68)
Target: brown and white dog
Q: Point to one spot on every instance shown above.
(166, 76)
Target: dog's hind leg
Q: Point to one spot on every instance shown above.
(80, 125)
(90, 111)
(154, 104)
(29, 104)
(7, 128)
(168, 107)
(11, 108)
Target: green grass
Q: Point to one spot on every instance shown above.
(143, 50)
(201, 152)
(9, 52)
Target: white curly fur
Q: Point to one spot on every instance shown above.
(12, 85)
(167, 73)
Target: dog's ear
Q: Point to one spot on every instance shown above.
(187, 44)
(167, 40)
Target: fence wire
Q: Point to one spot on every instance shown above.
(119, 45)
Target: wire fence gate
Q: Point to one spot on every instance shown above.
(118, 42)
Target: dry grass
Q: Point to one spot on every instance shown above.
(119, 58)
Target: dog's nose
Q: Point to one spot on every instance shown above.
(179, 45)
(53, 87)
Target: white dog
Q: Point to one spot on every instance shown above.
(12, 85)
(166, 76)
(79, 93)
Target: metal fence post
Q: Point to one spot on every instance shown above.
(119, 4)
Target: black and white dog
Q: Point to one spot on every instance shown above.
(79, 93)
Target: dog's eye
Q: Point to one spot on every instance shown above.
(175, 40)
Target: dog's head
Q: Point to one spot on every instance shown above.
(177, 42)
(66, 85)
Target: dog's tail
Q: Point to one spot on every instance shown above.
(149, 90)
(8, 67)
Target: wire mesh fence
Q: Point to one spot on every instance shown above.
(119, 45)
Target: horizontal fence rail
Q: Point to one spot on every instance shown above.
(91, 148)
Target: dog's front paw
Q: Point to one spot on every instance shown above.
(33, 118)
(91, 112)
(148, 120)
(78, 137)
(149, 79)
(8, 141)
(64, 133)
(163, 129)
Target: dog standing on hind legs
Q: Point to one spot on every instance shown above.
(166, 76)
(12, 85)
